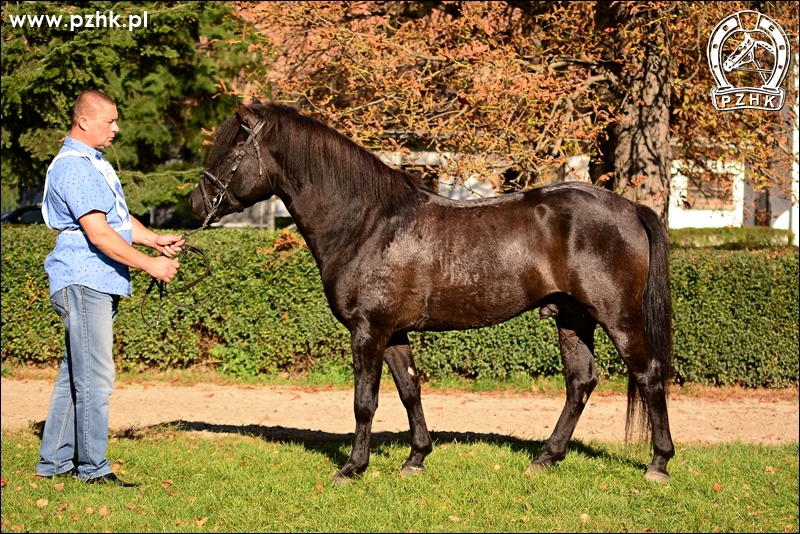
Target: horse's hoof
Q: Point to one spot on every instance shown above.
(535, 468)
(340, 480)
(412, 470)
(656, 476)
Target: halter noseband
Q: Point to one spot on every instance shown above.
(212, 205)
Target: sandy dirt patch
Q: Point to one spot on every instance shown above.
(282, 410)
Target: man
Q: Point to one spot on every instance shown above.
(88, 273)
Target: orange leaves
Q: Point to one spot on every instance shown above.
(135, 509)
(168, 485)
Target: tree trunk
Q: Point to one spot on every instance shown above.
(642, 157)
(642, 154)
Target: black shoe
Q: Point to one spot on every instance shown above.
(111, 478)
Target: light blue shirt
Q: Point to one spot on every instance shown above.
(74, 188)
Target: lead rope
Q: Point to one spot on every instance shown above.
(162, 286)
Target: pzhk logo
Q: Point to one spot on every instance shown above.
(759, 55)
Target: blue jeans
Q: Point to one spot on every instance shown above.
(76, 430)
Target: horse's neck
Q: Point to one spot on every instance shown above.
(331, 224)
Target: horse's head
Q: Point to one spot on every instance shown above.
(240, 172)
(741, 55)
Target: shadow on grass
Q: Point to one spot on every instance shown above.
(334, 445)
(337, 446)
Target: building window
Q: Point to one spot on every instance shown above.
(709, 188)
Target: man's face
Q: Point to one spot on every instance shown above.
(101, 126)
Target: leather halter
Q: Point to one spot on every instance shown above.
(212, 205)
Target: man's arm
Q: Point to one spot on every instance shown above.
(166, 244)
(112, 244)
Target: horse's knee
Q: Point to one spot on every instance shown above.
(547, 311)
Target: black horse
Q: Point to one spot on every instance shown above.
(395, 257)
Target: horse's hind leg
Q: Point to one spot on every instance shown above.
(576, 341)
(401, 363)
(650, 377)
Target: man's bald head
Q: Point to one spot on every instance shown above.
(88, 103)
(94, 120)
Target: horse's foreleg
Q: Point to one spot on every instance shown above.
(576, 341)
(401, 363)
(368, 348)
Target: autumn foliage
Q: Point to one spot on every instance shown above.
(509, 90)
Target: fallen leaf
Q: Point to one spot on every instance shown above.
(135, 509)
(584, 518)
(41, 503)
(59, 486)
(633, 491)
(319, 486)
(604, 487)
(104, 512)
(455, 519)
(34, 485)
(89, 510)
(3, 482)
(770, 469)
(200, 522)
(115, 468)
(717, 486)
(167, 486)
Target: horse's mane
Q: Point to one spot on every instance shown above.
(325, 157)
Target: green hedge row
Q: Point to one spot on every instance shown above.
(735, 317)
(729, 238)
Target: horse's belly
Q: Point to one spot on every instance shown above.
(461, 308)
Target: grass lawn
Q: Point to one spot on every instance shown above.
(196, 482)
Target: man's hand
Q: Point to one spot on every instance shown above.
(169, 244)
(163, 268)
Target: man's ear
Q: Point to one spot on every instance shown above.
(83, 123)
(245, 114)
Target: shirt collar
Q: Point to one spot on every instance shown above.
(82, 147)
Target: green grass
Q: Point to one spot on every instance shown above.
(231, 482)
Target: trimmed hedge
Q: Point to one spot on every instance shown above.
(729, 238)
(735, 317)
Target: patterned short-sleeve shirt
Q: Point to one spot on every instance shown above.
(75, 188)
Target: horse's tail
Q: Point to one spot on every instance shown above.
(657, 308)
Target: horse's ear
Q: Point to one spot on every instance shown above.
(245, 114)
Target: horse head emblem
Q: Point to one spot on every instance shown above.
(745, 54)
(749, 56)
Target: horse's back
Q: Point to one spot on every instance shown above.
(465, 264)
